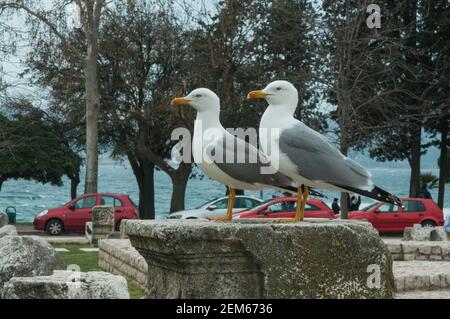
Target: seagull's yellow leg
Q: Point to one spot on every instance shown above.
(302, 197)
(229, 215)
(305, 193)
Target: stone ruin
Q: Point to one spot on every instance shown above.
(31, 268)
(198, 259)
(420, 233)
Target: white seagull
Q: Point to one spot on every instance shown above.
(212, 152)
(304, 154)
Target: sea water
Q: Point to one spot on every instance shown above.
(29, 198)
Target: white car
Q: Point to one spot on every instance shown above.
(217, 207)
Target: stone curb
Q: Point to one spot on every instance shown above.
(419, 250)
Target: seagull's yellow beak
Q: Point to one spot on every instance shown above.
(179, 101)
(253, 95)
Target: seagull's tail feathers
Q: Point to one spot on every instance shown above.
(376, 193)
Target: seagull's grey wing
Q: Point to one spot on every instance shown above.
(317, 160)
(243, 161)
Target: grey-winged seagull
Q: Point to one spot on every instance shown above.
(207, 147)
(304, 154)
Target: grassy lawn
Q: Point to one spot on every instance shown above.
(88, 261)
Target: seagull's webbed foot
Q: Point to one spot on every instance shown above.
(225, 218)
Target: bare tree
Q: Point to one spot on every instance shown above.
(54, 20)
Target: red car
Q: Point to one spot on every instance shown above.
(74, 215)
(284, 207)
(388, 218)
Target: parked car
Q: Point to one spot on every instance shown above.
(73, 216)
(284, 207)
(388, 218)
(217, 207)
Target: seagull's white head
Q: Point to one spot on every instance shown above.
(200, 99)
(278, 93)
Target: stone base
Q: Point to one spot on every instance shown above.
(117, 256)
(68, 285)
(102, 223)
(258, 258)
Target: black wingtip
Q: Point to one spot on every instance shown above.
(387, 197)
(376, 193)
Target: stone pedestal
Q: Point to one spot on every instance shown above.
(262, 259)
(102, 223)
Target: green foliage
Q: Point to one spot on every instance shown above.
(32, 148)
(429, 179)
(433, 181)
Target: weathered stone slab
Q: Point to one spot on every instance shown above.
(423, 275)
(117, 256)
(8, 230)
(419, 233)
(68, 285)
(420, 250)
(394, 248)
(102, 223)
(25, 257)
(3, 219)
(262, 259)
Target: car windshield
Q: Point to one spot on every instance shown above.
(68, 202)
(207, 203)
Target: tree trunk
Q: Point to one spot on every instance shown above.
(74, 181)
(144, 172)
(92, 109)
(179, 184)
(443, 162)
(147, 192)
(415, 112)
(416, 136)
(344, 146)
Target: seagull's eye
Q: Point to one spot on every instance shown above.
(198, 96)
(279, 89)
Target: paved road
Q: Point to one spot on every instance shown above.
(26, 229)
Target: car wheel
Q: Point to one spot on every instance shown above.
(428, 223)
(54, 227)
